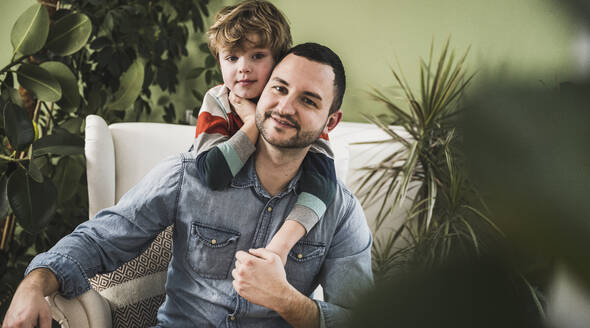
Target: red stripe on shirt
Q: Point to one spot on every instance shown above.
(235, 123)
(207, 123)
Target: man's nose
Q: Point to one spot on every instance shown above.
(285, 105)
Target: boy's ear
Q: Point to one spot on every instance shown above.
(333, 121)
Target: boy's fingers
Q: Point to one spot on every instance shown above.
(262, 253)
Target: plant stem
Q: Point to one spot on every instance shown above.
(8, 158)
(48, 4)
(5, 232)
(36, 111)
(13, 63)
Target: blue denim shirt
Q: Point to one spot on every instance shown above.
(336, 253)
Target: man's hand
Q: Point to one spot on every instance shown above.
(260, 278)
(28, 307)
(245, 108)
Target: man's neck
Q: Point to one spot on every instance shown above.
(276, 167)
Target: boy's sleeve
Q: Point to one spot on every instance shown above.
(220, 152)
(317, 185)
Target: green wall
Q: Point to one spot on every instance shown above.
(9, 12)
(528, 39)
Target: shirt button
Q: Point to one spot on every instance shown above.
(299, 255)
(232, 318)
(269, 209)
(213, 241)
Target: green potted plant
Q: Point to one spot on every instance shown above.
(445, 213)
(71, 59)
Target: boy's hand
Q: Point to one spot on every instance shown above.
(245, 108)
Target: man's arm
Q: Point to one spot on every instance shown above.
(346, 271)
(299, 310)
(115, 236)
(259, 277)
(28, 307)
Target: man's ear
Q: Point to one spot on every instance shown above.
(333, 120)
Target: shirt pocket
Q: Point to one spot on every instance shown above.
(303, 264)
(211, 250)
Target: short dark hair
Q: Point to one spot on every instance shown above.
(324, 55)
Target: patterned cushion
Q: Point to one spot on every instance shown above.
(135, 291)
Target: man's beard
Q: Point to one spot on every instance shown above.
(299, 140)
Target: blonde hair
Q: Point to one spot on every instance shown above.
(234, 23)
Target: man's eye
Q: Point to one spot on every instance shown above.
(309, 102)
(280, 89)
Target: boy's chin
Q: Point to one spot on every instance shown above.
(246, 93)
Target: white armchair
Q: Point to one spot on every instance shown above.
(117, 157)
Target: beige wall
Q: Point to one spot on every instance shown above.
(530, 39)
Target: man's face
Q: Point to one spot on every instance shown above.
(245, 70)
(293, 109)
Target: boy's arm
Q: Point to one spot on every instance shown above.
(316, 188)
(221, 153)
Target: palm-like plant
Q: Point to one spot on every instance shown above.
(426, 172)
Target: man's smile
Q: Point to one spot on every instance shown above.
(283, 121)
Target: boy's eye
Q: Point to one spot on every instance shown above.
(259, 55)
(231, 58)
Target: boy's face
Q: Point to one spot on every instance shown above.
(246, 70)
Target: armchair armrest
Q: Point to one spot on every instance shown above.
(89, 310)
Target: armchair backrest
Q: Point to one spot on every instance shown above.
(120, 154)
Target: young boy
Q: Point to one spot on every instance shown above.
(248, 40)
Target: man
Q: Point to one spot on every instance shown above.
(219, 275)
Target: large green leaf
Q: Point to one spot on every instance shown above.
(59, 144)
(73, 125)
(30, 31)
(67, 177)
(130, 86)
(35, 172)
(69, 34)
(33, 203)
(4, 206)
(70, 99)
(19, 128)
(39, 82)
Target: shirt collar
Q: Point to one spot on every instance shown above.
(222, 91)
(247, 178)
